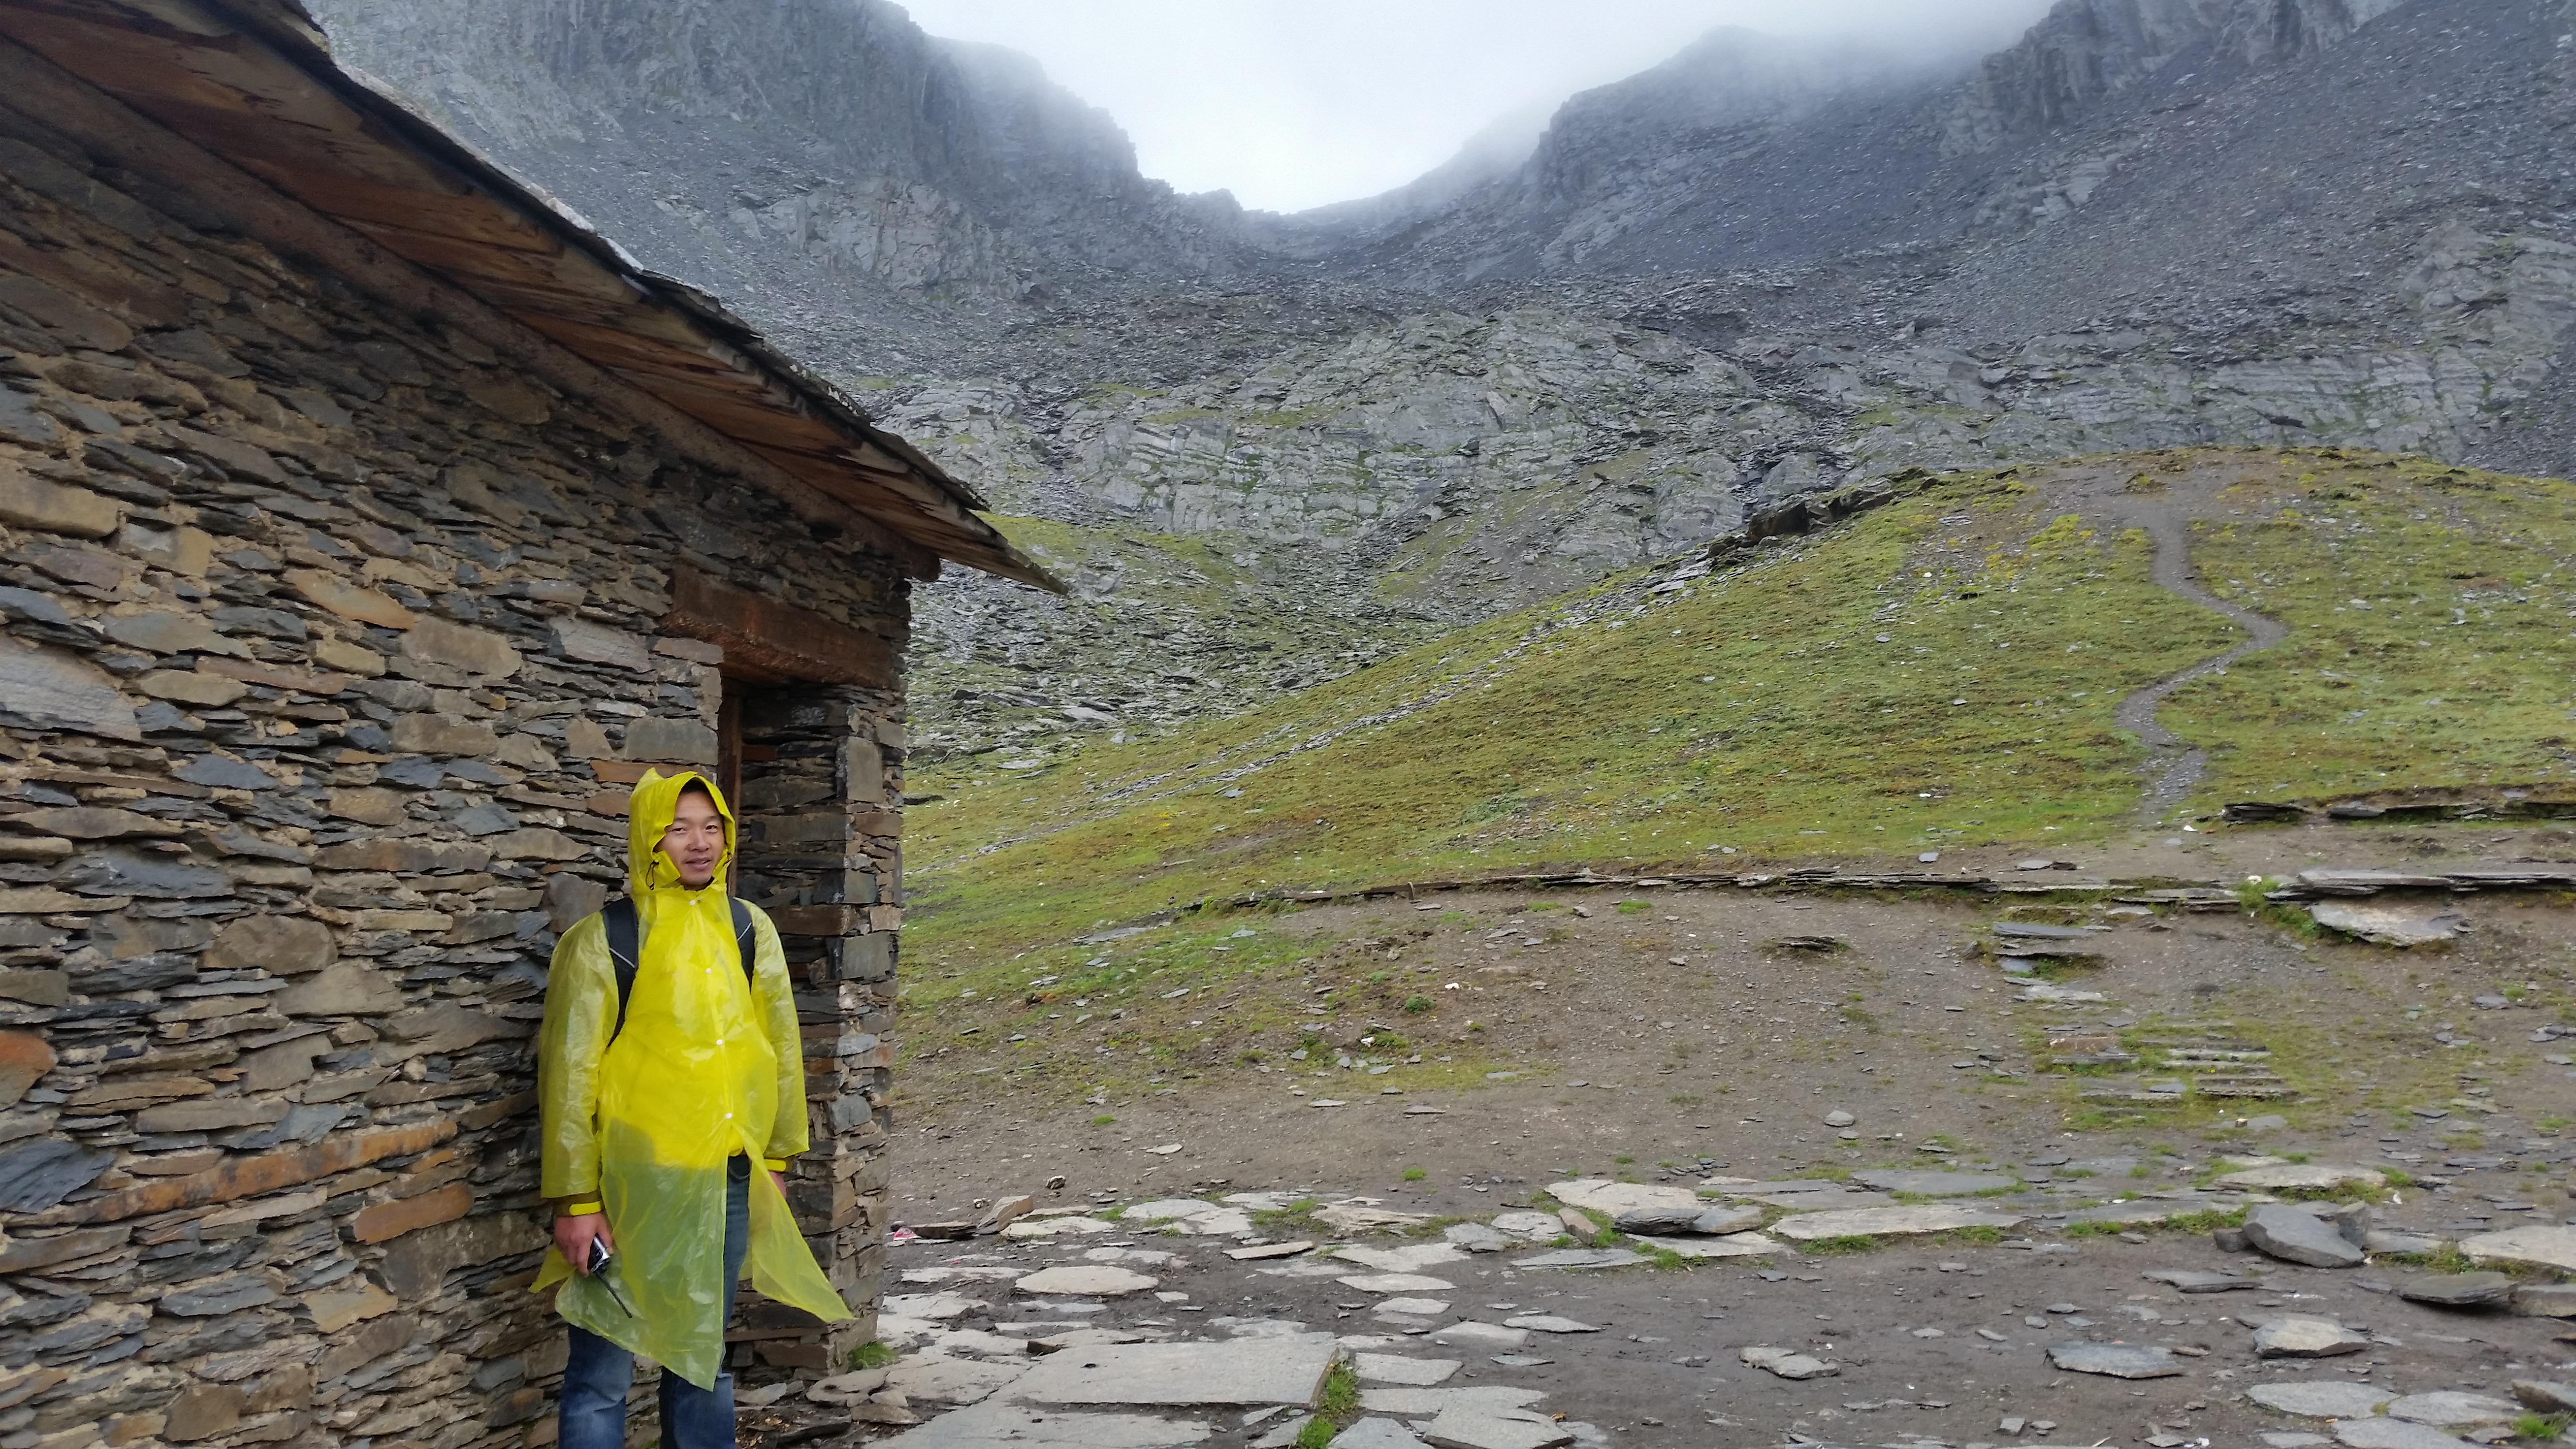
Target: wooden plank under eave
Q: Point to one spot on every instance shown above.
(747, 417)
(627, 352)
(564, 271)
(219, 72)
(462, 213)
(867, 493)
(652, 331)
(239, 135)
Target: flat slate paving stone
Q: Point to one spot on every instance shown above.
(1469, 1333)
(1375, 1433)
(2115, 1360)
(1581, 1258)
(1891, 1221)
(1711, 1221)
(1245, 1371)
(2280, 1231)
(1483, 1399)
(2452, 1409)
(2195, 1280)
(1934, 1184)
(1394, 1368)
(1550, 1323)
(1474, 1429)
(1085, 1281)
(1786, 1364)
(2458, 1290)
(1412, 1307)
(995, 1424)
(1260, 1251)
(2551, 1247)
(2546, 1395)
(1733, 1245)
(1397, 1283)
(2313, 1176)
(1601, 1195)
(1411, 1259)
(2321, 1400)
(2298, 1336)
(2393, 1434)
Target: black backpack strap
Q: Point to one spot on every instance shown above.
(742, 932)
(624, 945)
(619, 917)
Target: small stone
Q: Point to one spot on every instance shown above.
(1387, 1368)
(38, 1174)
(2194, 1280)
(2547, 1246)
(2458, 1290)
(1550, 1323)
(50, 689)
(1477, 1238)
(2296, 1236)
(2398, 926)
(1471, 1334)
(2321, 1400)
(1934, 1184)
(1410, 1308)
(2547, 1396)
(2303, 1177)
(24, 1057)
(2303, 1337)
(2451, 1409)
(2383, 1240)
(1581, 1258)
(1891, 1221)
(2545, 1300)
(1839, 1118)
(1084, 1282)
(1374, 1433)
(1782, 1363)
(1398, 1283)
(2377, 1433)
(2115, 1360)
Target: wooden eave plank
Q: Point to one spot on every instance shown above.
(465, 214)
(665, 333)
(566, 272)
(749, 418)
(218, 72)
(624, 350)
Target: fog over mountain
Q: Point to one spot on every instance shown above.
(1268, 448)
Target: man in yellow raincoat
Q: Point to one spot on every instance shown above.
(656, 1101)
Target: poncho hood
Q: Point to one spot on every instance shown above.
(650, 810)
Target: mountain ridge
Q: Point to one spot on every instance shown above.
(2145, 223)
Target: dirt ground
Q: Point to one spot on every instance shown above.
(1678, 1037)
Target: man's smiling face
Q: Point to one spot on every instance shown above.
(695, 841)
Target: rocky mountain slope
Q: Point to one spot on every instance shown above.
(1761, 269)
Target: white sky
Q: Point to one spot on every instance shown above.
(1295, 103)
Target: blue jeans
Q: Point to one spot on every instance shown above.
(596, 1376)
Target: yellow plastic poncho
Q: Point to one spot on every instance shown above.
(708, 1068)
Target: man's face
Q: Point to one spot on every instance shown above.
(695, 840)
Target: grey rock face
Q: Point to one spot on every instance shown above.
(1385, 422)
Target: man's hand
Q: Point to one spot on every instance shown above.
(781, 1179)
(574, 1234)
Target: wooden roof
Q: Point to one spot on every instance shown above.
(254, 82)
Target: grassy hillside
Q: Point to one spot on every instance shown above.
(1942, 671)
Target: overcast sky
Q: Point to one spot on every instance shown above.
(1295, 103)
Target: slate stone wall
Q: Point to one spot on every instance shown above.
(330, 647)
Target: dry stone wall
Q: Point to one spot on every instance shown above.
(330, 648)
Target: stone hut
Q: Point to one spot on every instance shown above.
(367, 525)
